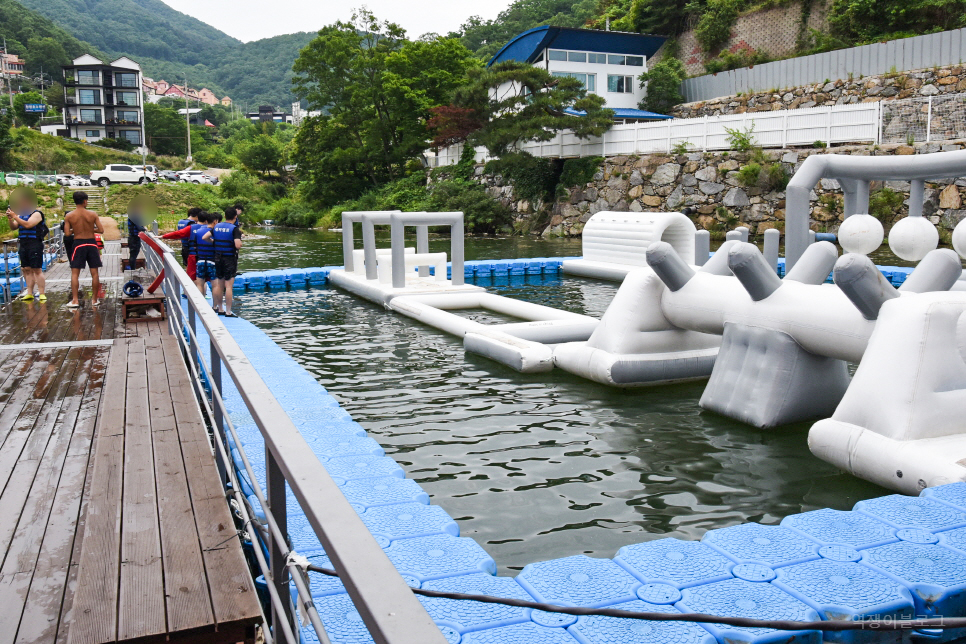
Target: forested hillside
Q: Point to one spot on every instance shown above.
(167, 43)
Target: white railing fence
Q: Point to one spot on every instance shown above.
(912, 120)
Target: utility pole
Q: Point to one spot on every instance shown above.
(187, 116)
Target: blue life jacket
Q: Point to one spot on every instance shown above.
(185, 222)
(28, 233)
(133, 228)
(189, 241)
(204, 249)
(223, 236)
(185, 243)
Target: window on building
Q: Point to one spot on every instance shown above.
(126, 80)
(589, 81)
(89, 96)
(88, 77)
(557, 55)
(616, 60)
(597, 59)
(131, 116)
(92, 134)
(577, 57)
(620, 84)
(635, 61)
(131, 136)
(126, 98)
(90, 116)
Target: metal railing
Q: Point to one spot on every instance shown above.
(390, 611)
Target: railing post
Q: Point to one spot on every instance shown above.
(219, 416)
(6, 275)
(275, 486)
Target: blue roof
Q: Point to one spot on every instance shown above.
(525, 47)
(627, 113)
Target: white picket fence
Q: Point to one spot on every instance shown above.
(781, 128)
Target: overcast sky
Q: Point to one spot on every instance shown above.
(256, 19)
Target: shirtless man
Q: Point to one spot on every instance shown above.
(82, 224)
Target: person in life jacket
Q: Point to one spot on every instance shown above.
(190, 220)
(185, 228)
(24, 217)
(227, 238)
(205, 250)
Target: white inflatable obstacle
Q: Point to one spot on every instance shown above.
(785, 342)
(399, 278)
(614, 243)
(524, 346)
(380, 274)
(635, 345)
(902, 422)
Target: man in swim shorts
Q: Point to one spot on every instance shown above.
(83, 224)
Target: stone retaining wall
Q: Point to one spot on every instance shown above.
(709, 183)
(923, 82)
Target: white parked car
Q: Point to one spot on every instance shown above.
(120, 173)
(73, 180)
(16, 179)
(194, 176)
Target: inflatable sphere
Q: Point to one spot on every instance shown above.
(861, 234)
(911, 238)
(959, 238)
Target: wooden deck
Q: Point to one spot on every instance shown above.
(116, 526)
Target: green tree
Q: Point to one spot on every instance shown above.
(7, 142)
(518, 103)
(165, 130)
(19, 108)
(376, 90)
(663, 85)
(667, 17)
(45, 54)
(264, 155)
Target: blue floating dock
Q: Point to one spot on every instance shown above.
(891, 556)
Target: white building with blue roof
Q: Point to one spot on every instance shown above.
(608, 63)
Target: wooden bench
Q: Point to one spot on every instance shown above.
(160, 558)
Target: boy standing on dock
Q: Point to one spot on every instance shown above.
(227, 238)
(82, 224)
(204, 247)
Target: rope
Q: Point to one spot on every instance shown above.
(887, 624)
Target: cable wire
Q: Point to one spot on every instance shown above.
(896, 624)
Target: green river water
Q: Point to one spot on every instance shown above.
(539, 466)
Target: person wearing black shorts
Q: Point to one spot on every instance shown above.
(228, 239)
(83, 224)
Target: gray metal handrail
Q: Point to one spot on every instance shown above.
(384, 601)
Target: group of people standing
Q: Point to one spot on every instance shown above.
(209, 247)
(80, 227)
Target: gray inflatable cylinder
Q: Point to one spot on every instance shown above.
(772, 239)
(815, 264)
(937, 271)
(863, 284)
(744, 232)
(702, 247)
(718, 264)
(734, 235)
(811, 237)
(668, 265)
(754, 273)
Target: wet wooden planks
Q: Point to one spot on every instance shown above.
(51, 397)
(160, 554)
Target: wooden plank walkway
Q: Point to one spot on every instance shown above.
(117, 527)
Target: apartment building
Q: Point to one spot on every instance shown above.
(103, 100)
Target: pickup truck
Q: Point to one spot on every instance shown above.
(118, 173)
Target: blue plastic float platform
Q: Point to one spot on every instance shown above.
(308, 277)
(893, 556)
